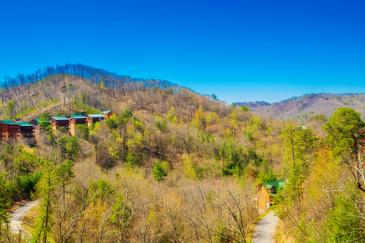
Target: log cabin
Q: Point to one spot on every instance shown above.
(93, 118)
(265, 193)
(107, 114)
(60, 123)
(76, 119)
(10, 131)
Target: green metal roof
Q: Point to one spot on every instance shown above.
(78, 116)
(60, 118)
(96, 115)
(24, 124)
(278, 184)
(7, 122)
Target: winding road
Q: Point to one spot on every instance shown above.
(265, 229)
(17, 216)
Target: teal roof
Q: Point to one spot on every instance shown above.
(7, 122)
(24, 124)
(96, 115)
(78, 116)
(60, 118)
(278, 184)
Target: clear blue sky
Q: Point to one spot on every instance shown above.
(241, 50)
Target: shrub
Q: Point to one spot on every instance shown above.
(159, 170)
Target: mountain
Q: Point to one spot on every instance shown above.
(252, 104)
(86, 91)
(95, 75)
(306, 106)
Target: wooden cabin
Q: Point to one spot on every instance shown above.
(27, 130)
(266, 192)
(10, 131)
(60, 122)
(93, 118)
(107, 114)
(17, 131)
(76, 119)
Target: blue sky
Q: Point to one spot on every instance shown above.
(240, 50)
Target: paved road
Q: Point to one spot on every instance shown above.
(265, 229)
(17, 216)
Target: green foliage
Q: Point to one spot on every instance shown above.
(159, 170)
(121, 214)
(199, 120)
(171, 115)
(161, 123)
(342, 130)
(112, 122)
(233, 157)
(101, 190)
(131, 159)
(70, 147)
(299, 147)
(6, 194)
(81, 106)
(10, 109)
(124, 117)
(26, 183)
(83, 131)
(191, 168)
(344, 220)
(244, 108)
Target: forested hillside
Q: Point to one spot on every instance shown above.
(94, 75)
(308, 106)
(173, 166)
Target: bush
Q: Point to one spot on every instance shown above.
(159, 170)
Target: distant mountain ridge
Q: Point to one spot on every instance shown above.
(96, 75)
(304, 107)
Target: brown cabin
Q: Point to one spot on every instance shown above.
(266, 192)
(76, 119)
(16, 131)
(10, 131)
(107, 114)
(93, 118)
(58, 122)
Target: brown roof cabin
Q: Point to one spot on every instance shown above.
(76, 119)
(58, 122)
(265, 193)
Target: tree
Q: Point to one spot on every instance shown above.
(10, 109)
(159, 170)
(70, 147)
(343, 129)
(299, 147)
(171, 115)
(121, 216)
(344, 221)
(342, 132)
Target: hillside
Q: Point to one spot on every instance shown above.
(171, 165)
(306, 106)
(94, 75)
(71, 93)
